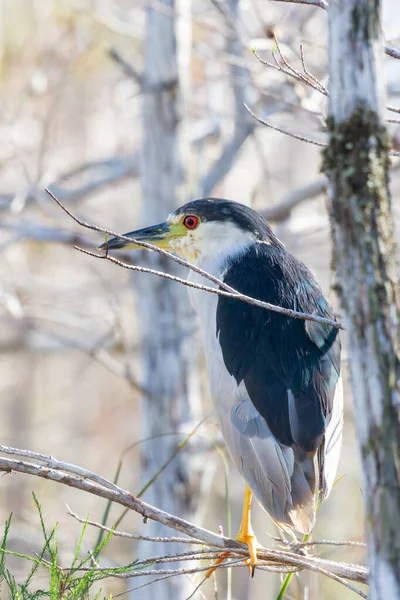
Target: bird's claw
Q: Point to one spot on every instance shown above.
(251, 542)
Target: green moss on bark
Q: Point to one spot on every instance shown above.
(359, 149)
(356, 162)
(365, 24)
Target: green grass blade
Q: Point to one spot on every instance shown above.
(7, 526)
(289, 576)
(49, 546)
(179, 447)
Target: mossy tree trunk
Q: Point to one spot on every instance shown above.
(357, 164)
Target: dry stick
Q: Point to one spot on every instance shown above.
(222, 565)
(309, 80)
(135, 536)
(319, 3)
(293, 135)
(124, 498)
(132, 536)
(211, 290)
(226, 290)
(208, 554)
(393, 52)
(322, 88)
(290, 73)
(53, 463)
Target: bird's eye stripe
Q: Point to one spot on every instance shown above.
(191, 222)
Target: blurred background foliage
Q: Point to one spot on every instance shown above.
(70, 348)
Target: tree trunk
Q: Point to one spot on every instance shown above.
(165, 316)
(357, 165)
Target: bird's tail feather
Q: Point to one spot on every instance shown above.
(329, 451)
(302, 511)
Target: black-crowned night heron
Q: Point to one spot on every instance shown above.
(275, 380)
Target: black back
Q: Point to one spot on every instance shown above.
(274, 354)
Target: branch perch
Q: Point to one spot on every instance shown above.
(67, 474)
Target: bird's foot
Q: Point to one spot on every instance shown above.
(250, 540)
(245, 536)
(217, 562)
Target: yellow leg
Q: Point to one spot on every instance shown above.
(245, 535)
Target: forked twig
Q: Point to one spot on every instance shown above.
(321, 87)
(223, 289)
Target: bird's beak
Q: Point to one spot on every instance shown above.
(158, 235)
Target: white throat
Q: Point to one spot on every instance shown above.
(213, 243)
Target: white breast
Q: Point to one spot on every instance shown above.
(224, 389)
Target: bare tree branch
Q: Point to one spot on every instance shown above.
(132, 536)
(295, 135)
(292, 72)
(319, 3)
(53, 463)
(224, 162)
(225, 290)
(81, 479)
(289, 133)
(205, 555)
(95, 175)
(131, 73)
(281, 211)
(234, 294)
(240, 78)
(393, 52)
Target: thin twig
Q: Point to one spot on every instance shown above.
(212, 290)
(296, 136)
(290, 72)
(289, 133)
(319, 3)
(297, 545)
(132, 536)
(321, 87)
(308, 80)
(334, 543)
(226, 290)
(393, 52)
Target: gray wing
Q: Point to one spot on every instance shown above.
(282, 481)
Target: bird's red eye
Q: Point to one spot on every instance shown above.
(191, 222)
